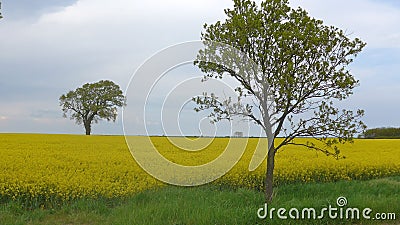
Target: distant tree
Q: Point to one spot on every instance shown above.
(301, 67)
(0, 11)
(92, 102)
(381, 133)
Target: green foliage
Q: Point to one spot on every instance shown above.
(93, 102)
(384, 132)
(301, 70)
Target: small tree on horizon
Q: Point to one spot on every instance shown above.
(301, 69)
(0, 11)
(92, 102)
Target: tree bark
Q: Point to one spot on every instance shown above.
(269, 175)
(88, 127)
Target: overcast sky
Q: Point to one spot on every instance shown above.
(49, 47)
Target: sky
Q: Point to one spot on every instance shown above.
(49, 47)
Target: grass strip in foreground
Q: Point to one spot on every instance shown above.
(214, 205)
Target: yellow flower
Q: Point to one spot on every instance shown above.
(65, 167)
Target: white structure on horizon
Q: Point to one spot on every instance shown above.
(238, 134)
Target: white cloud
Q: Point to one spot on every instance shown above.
(124, 11)
(98, 38)
(375, 22)
(101, 39)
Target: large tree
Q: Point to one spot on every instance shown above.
(301, 73)
(93, 102)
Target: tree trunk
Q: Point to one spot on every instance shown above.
(88, 127)
(269, 179)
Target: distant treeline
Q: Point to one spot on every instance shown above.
(381, 133)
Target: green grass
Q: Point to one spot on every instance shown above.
(214, 205)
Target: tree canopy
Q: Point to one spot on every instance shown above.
(0, 11)
(382, 133)
(93, 102)
(301, 72)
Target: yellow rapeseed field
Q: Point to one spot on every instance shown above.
(52, 168)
